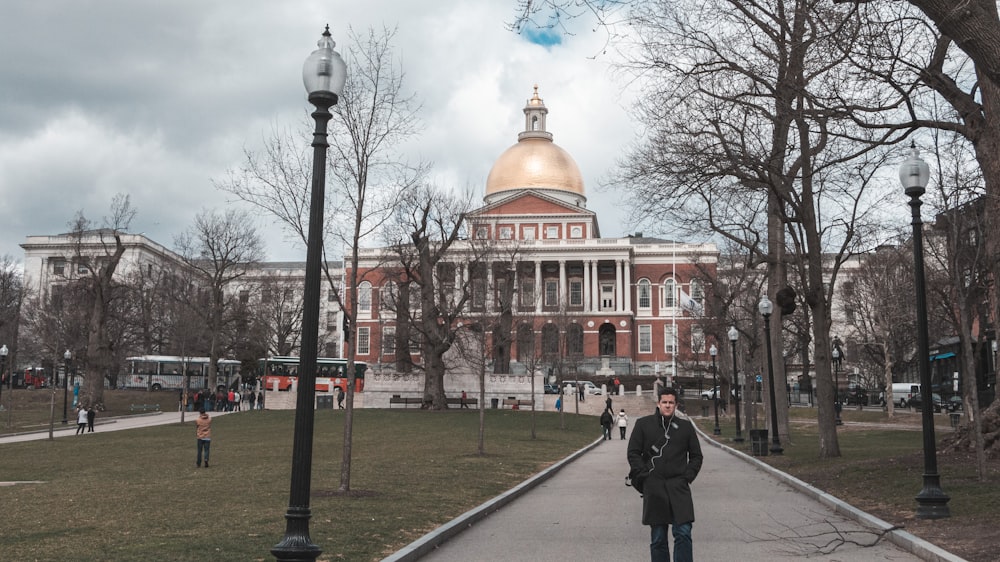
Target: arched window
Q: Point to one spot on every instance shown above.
(550, 340)
(574, 339)
(534, 123)
(668, 293)
(387, 296)
(698, 292)
(525, 343)
(365, 298)
(645, 290)
(606, 337)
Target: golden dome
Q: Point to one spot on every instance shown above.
(535, 163)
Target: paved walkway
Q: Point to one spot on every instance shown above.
(107, 424)
(745, 511)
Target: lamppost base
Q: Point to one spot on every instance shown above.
(738, 439)
(776, 449)
(838, 421)
(932, 502)
(716, 431)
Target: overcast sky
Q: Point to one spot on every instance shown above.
(156, 99)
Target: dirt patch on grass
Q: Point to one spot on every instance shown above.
(345, 494)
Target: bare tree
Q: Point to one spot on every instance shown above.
(428, 226)
(96, 255)
(221, 247)
(372, 119)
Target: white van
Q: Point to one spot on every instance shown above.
(588, 387)
(902, 392)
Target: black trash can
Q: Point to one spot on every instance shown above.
(758, 442)
(494, 403)
(324, 402)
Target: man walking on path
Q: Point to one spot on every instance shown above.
(203, 430)
(91, 416)
(664, 456)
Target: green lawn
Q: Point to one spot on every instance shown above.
(137, 495)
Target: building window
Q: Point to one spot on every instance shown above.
(387, 296)
(364, 340)
(697, 339)
(551, 293)
(528, 293)
(529, 233)
(669, 293)
(365, 298)
(607, 297)
(244, 296)
(645, 338)
(574, 339)
(478, 294)
(576, 232)
(552, 232)
(645, 290)
(576, 292)
(505, 233)
(550, 340)
(389, 341)
(698, 293)
(482, 233)
(669, 338)
(331, 320)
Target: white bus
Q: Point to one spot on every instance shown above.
(165, 372)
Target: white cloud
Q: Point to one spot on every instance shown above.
(158, 99)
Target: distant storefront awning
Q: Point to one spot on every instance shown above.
(941, 356)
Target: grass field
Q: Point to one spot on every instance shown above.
(137, 495)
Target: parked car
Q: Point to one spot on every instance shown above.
(589, 387)
(551, 389)
(712, 393)
(916, 401)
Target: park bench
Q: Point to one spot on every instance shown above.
(519, 403)
(144, 408)
(405, 400)
(472, 402)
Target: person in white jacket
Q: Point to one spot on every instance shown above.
(622, 423)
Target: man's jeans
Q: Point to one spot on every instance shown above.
(659, 550)
(204, 444)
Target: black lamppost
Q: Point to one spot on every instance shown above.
(766, 307)
(713, 351)
(932, 502)
(734, 335)
(323, 74)
(837, 356)
(67, 357)
(3, 370)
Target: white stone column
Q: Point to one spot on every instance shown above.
(515, 291)
(595, 288)
(586, 285)
(618, 285)
(628, 285)
(458, 280)
(538, 287)
(490, 288)
(563, 298)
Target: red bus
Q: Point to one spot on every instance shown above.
(330, 372)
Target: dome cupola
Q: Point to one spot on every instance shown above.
(536, 162)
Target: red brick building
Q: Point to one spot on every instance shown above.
(636, 303)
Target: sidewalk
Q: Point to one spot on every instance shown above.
(581, 510)
(107, 424)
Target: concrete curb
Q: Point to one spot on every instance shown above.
(907, 541)
(425, 544)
